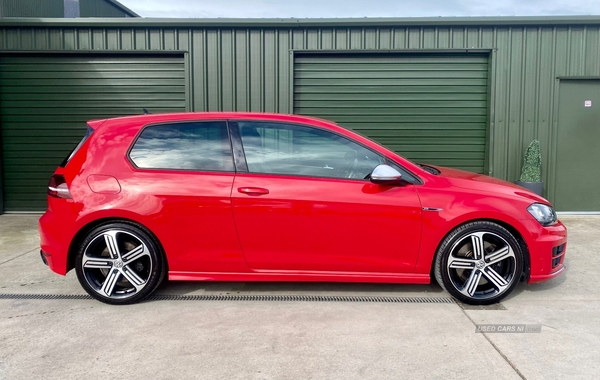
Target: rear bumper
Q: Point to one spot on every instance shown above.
(43, 255)
(547, 249)
(55, 237)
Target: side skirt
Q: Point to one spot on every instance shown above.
(297, 276)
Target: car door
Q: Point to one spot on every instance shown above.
(182, 183)
(305, 204)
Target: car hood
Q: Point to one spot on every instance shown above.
(480, 182)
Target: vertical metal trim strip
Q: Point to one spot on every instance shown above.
(491, 128)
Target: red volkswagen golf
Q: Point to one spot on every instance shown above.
(265, 197)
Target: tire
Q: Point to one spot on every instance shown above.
(120, 263)
(479, 263)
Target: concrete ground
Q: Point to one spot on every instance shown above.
(73, 339)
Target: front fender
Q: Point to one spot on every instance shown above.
(444, 211)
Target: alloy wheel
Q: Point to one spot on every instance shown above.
(117, 264)
(481, 265)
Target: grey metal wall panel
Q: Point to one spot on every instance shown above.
(100, 8)
(71, 8)
(31, 8)
(247, 67)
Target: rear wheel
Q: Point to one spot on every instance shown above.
(119, 263)
(479, 263)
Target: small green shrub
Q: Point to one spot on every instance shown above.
(532, 167)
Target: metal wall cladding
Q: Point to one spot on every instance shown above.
(45, 102)
(431, 108)
(100, 8)
(249, 68)
(31, 8)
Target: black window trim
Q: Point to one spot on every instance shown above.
(234, 124)
(171, 122)
(239, 156)
(88, 133)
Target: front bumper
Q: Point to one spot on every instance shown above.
(547, 249)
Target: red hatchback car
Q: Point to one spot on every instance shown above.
(266, 197)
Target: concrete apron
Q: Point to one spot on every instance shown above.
(266, 339)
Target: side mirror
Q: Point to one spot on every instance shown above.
(386, 175)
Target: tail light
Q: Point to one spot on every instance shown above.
(58, 187)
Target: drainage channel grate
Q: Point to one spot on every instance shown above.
(227, 297)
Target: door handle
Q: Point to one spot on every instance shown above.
(253, 190)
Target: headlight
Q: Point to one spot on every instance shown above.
(543, 214)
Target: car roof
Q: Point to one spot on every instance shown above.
(146, 119)
(183, 116)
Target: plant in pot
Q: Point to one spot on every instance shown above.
(531, 174)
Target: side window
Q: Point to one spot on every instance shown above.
(300, 150)
(202, 146)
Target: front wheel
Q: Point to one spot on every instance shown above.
(119, 263)
(479, 263)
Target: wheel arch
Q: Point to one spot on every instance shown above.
(509, 227)
(83, 231)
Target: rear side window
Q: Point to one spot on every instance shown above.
(202, 146)
(88, 133)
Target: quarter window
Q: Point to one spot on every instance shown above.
(299, 150)
(202, 146)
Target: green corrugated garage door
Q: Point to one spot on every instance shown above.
(429, 108)
(45, 102)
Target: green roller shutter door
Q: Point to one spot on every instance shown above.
(46, 101)
(428, 108)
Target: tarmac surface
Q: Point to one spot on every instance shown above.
(295, 330)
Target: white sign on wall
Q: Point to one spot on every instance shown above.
(588, 103)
